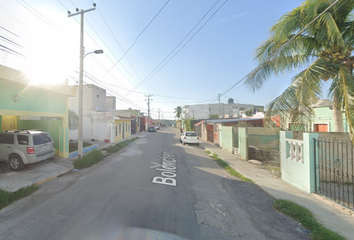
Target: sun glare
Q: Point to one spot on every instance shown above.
(48, 57)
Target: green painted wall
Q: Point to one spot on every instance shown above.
(299, 173)
(226, 139)
(243, 142)
(325, 115)
(30, 98)
(235, 136)
(50, 126)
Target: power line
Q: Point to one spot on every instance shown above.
(10, 31)
(282, 46)
(100, 83)
(12, 42)
(117, 42)
(41, 17)
(148, 77)
(14, 18)
(139, 36)
(9, 50)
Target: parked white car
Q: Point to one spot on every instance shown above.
(19, 148)
(190, 138)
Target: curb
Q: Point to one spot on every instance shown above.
(52, 177)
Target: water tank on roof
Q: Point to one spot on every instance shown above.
(230, 101)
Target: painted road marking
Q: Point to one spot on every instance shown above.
(167, 170)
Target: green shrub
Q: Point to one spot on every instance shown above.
(228, 168)
(6, 198)
(306, 218)
(89, 159)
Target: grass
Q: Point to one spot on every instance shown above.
(6, 198)
(89, 159)
(306, 218)
(96, 156)
(228, 168)
(73, 146)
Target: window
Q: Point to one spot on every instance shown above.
(116, 130)
(42, 138)
(126, 127)
(6, 139)
(120, 129)
(22, 139)
(191, 134)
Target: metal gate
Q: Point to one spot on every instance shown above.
(335, 170)
(210, 133)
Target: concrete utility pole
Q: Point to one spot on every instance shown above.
(148, 103)
(219, 95)
(80, 140)
(158, 111)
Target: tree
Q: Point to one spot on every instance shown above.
(189, 123)
(249, 113)
(323, 48)
(178, 111)
(213, 116)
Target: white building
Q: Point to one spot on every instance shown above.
(98, 113)
(227, 110)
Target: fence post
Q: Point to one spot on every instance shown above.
(284, 149)
(243, 142)
(309, 158)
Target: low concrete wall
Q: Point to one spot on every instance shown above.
(298, 160)
(226, 138)
(85, 150)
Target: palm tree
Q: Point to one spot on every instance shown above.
(323, 47)
(178, 111)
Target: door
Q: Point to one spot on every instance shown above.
(320, 127)
(210, 133)
(123, 131)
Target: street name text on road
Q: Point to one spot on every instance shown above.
(167, 170)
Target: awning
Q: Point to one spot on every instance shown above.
(197, 124)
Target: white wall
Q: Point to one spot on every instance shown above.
(203, 111)
(98, 99)
(73, 134)
(110, 103)
(97, 125)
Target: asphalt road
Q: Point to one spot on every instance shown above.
(155, 188)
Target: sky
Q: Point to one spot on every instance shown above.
(181, 52)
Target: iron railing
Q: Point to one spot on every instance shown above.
(334, 159)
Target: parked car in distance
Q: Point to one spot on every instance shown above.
(157, 127)
(151, 129)
(19, 148)
(190, 138)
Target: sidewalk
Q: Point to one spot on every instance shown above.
(43, 171)
(331, 215)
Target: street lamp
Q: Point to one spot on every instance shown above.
(80, 147)
(82, 12)
(95, 52)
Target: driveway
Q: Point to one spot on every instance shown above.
(36, 173)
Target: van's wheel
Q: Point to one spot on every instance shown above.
(15, 162)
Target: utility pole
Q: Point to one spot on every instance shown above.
(158, 111)
(148, 103)
(219, 114)
(81, 109)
